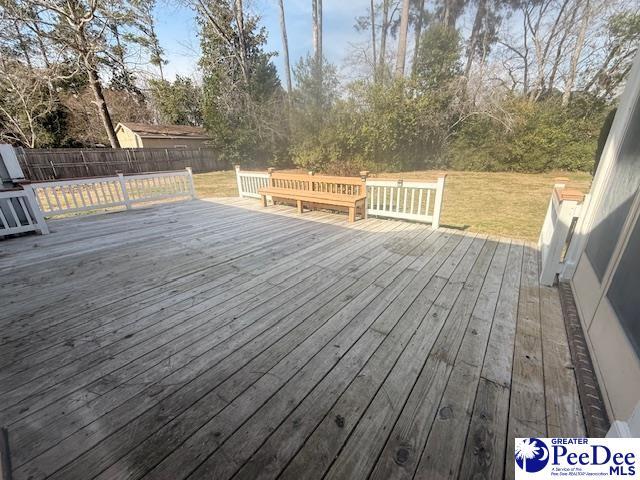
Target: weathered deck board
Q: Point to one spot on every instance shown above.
(527, 414)
(212, 339)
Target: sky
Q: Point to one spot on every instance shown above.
(177, 31)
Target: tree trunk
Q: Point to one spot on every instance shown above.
(401, 54)
(156, 46)
(525, 58)
(103, 111)
(575, 56)
(319, 6)
(239, 12)
(316, 33)
(481, 12)
(383, 38)
(23, 45)
(317, 38)
(285, 48)
(418, 34)
(373, 38)
(560, 51)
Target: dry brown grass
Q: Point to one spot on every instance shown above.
(506, 204)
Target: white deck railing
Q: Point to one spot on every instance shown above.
(408, 200)
(558, 247)
(417, 201)
(88, 194)
(249, 182)
(19, 213)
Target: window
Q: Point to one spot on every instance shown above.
(625, 285)
(617, 198)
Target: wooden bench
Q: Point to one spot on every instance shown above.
(318, 190)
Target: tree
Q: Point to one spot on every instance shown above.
(384, 32)
(622, 37)
(314, 94)
(401, 54)
(178, 103)
(148, 38)
(27, 98)
(83, 31)
(316, 16)
(420, 19)
(285, 47)
(438, 60)
(242, 96)
(87, 32)
(448, 11)
(372, 18)
(575, 55)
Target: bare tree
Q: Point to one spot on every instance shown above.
(146, 23)
(575, 55)
(82, 30)
(384, 31)
(27, 99)
(401, 54)
(285, 47)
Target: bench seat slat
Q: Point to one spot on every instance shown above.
(318, 197)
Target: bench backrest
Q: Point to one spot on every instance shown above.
(318, 183)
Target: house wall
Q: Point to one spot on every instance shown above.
(172, 143)
(605, 283)
(128, 139)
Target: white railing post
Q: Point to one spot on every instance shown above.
(564, 206)
(125, 194)
(437, 206)
(192, 188)
(577, 244)
(238, 180)
(35, 209)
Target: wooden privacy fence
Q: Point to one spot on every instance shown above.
(87, 194)
(63, 163)
(19, 212)
(559, 247)
(408, 200)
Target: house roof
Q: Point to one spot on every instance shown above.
(145, 130)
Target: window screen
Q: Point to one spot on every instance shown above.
(617, 198)
(624, 292)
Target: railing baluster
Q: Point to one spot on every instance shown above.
(3, 220)
(13, 213)
(27, 215)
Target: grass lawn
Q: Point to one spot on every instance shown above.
(507, 204)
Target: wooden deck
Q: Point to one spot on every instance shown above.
(215, 339)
